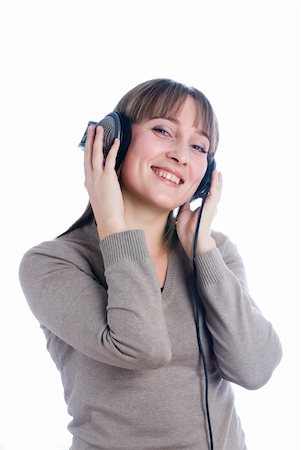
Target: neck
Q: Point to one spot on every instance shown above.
(152, 222)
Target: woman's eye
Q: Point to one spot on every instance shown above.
(161, 131)
(200, 148)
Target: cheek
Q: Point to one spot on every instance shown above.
(131, 157)
(131, 164)
(124, 173)
(135, 152)
(139, 154)
(197, 172)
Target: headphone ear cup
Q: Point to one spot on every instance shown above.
(116, 125)
(205, 184)
(125, 137)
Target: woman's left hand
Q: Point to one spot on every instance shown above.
(187, 220)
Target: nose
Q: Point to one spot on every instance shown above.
(178, 154)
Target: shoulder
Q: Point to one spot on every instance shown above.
(78, 248)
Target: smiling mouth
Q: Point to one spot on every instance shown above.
(167, 175)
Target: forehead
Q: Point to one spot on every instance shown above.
(171, 108)
(191, 106)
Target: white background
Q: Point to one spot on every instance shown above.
(66, 62)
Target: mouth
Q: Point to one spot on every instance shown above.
(167, 175)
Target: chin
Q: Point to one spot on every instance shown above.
(169, 204)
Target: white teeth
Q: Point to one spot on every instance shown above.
(167, 175)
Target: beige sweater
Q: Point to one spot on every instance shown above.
(128, 354)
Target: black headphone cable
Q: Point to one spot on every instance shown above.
(198, 305)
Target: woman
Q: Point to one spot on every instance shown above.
(115, 294)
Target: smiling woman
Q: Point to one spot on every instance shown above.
(143, 366)
(175, 150)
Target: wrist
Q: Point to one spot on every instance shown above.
(205, 244)
(107, 229)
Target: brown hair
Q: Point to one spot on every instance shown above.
(162, 97)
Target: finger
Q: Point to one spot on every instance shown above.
(215, 184)
(88, 149)
(220, 185)
(112, 155)
(185, 207)
(97, 152)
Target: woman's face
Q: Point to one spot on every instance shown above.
(166, 160)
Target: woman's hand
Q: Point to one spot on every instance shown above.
(187, 220)
(102, 184)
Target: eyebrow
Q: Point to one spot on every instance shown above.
(172, 119)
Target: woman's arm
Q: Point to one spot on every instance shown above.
(246, 347)
(121, 324)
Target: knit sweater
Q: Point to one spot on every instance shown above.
(128, 353)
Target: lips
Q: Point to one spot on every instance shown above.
(168, 174)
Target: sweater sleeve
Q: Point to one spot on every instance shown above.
(121, 324)
(246, 347)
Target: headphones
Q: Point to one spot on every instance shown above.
(118, 125)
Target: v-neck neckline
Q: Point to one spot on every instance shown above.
(171, 267)
(170, 275)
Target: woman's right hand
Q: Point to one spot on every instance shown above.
(102, 184)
